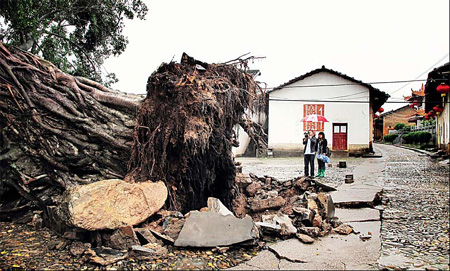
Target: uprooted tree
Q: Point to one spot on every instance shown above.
(59, 131)
(185, 130)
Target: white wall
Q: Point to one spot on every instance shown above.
(443, 123)
(285, 128)
(242, 136)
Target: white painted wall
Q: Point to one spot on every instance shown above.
(285, 128)
(242, 136)
(443, 123)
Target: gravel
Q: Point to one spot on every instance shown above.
(415, 222)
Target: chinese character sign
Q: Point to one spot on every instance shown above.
(313, 109)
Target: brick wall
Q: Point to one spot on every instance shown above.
(399, 116)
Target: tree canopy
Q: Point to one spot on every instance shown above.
(76, 35)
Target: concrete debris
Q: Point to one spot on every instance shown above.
(172, 226)
(145, 236)
(106, 256)
(310, 231)
(305, 238)
(365, 237)
(215, 205)
(253, 188)
(147, 252)
(305, 216)
(210, 229)
(111, 204)
(78, 248)
(123, 238)
(317, 221)
(266, 204)
(344, 229)
(279, 223)
(326, 204)
(243, 180)
(165, 238)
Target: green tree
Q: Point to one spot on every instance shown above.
(75, 35)
(399, 126)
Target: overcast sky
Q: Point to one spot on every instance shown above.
(369, 40)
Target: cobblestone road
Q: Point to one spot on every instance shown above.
(415, 222)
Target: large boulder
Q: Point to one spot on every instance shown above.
(111, 204)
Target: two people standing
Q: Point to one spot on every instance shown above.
(314, 145)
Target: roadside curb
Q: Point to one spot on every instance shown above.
(416, 150)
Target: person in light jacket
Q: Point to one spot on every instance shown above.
(310, 148)
(321, 148)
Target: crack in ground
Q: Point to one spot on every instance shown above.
(281, 257)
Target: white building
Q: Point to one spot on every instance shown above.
(433, 98)
(347, 103)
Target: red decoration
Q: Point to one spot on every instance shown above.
(381, 110)
(443, 89)
(411, 105)
(427, 117)
(438, 109)
(415, 104)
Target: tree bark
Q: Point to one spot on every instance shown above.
(57, 130)
(185, 130)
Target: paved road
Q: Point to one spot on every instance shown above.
(413, 231)
(415, 224)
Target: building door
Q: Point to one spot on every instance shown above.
(339, 136)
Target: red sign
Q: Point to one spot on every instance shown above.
(313, 109)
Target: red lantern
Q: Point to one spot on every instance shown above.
(443, 89)
(381, 110)
(438, 109)
(427, 117)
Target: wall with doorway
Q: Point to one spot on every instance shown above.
(286, 131)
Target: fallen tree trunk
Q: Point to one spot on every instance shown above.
(57, 130)
(185, 130)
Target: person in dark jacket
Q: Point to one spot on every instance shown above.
(321, 148)
(310, 151)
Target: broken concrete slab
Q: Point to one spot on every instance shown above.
(346, 250)
(265, 260)
(165, 238)
(327, 203)
(357, 215)
(356, 195)
(111, 204)
(265, 204)
(215, 205)
(209, 229)
(280, 224)
(145, 236)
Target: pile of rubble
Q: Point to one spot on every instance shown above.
(111, 220)
(300, 207)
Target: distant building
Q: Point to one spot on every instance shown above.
(417, 101)
(347, 103)
(433, 99)
(385, 123)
